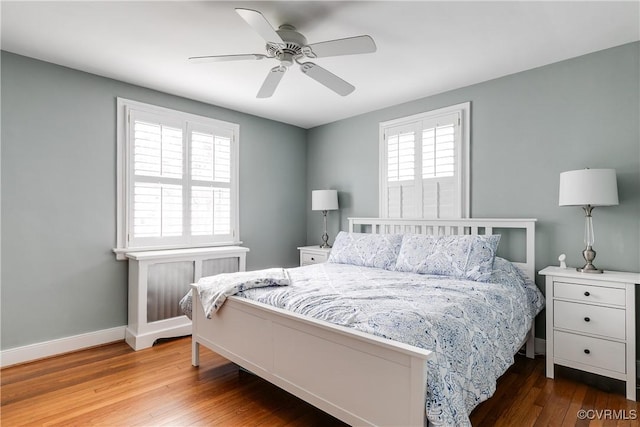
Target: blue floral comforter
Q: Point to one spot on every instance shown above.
(473, 328)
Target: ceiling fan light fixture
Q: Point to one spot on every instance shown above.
(286, 59)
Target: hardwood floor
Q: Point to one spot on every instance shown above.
(114, 386)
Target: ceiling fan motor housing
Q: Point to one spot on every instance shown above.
(292, 48)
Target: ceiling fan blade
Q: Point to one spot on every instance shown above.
(260, 24)
(271, 82)
(223, 58)
(327, 78)
(348, 46)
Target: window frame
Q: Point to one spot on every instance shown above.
(124, 175)
(463, 160)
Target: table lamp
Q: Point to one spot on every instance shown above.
(324, 200)
(588, 188)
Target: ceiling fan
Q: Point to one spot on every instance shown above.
(288, 46)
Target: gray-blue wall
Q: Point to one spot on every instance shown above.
(59, 276)
(526, 128)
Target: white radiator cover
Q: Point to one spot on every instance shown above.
(159, 279)
(168, 282)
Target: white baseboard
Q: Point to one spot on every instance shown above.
(36, 351)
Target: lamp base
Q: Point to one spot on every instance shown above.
(325, 239)
(589, 269)
(589, 255)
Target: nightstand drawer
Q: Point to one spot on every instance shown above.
(590, 351)
(591, 319)
(308, 258)
(590, 294)
(313, 254)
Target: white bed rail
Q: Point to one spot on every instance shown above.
(444, 227)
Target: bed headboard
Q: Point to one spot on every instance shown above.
(454, 226)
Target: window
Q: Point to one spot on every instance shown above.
(424, 162)
(177, 179)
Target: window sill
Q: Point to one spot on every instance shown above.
(123, 254)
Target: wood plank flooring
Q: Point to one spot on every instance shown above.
(112, 385)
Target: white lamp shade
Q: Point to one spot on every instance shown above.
(324, 200)
(595, 187)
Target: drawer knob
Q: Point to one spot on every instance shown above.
(586, 294)
(587, 319)
(313, 259)
(587, 351)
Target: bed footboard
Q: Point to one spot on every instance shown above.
(358, 378)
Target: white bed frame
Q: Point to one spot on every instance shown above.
(356, 377)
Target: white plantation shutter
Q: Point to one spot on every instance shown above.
(210, 211)
(156, 184)
(211, 179)
(157, 210)
(440, 168)
(157, 149)
(423, 170)
(401, 154)
(438, 148)
(181, 181)
(401, 171)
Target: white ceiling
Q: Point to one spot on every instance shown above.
(424, 47)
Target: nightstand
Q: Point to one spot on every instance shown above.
(591, 323)
(313, 254)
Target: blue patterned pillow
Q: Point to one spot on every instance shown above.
(365, 249)
(468, 257)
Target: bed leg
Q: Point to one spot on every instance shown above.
(195, 352)
(531, 342)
